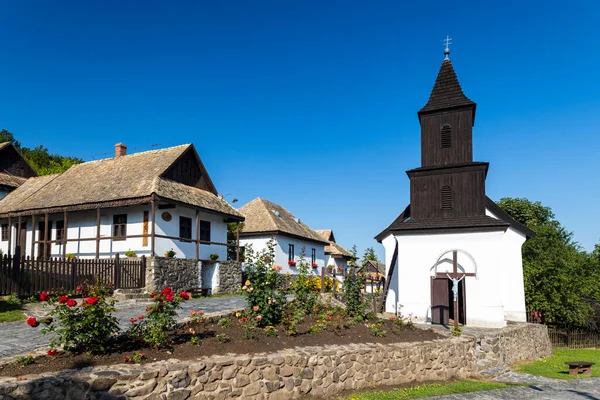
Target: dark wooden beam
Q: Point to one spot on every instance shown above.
(32, 236)
(18, 241)
(197, 235)
(153, 228)
(66, 229)
(10, 236)
(97, 232)
(46, 236)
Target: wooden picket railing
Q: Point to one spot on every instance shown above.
(574, 340)
(26, 276)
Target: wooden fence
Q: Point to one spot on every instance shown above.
(27, 277)
(574, 340)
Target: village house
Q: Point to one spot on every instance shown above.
(336, 257)
(148, 203)
(14, 169)
(452, 241)
(266, 220)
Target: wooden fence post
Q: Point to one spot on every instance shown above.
(73, 272)
(117, 278)
(323, 280)
(16, 275)
(143, 271)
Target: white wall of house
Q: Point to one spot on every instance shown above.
(496, 296)
(281, 251)
(82, 224)
(336, 262)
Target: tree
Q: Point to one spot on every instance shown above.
(369, 256)
(40, 158)
(233, 231)
(561, 280)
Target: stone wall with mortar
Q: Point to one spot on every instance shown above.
(177, 273)
(230, 277)
(288, 374)
(512, 344)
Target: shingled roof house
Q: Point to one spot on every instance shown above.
(335, 255)
(14, 169)
(266, 220)
(148, 202)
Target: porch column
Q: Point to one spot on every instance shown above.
(197, 235)
(97, 233)
(18, 241)
(65, 230)
(46, 236)
(153, 229)
(10, 235)
(33, 237)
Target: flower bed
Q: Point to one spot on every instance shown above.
(209, 345)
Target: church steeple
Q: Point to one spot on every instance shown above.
(447, 93)
(447, 121)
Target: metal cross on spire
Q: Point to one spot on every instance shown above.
(447, 43)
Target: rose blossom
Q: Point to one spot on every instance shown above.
(52, 352)
(184, 295)
(71, 303)
(92, 300)
(259, 318)
(44, 296)
(255, 308)
(32, 322)
(63, 299)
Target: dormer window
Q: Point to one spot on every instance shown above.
(447, 198)
(446, 136)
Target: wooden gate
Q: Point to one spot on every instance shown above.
(440, 306)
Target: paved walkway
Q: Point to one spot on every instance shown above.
(580, 389)
(18, 338)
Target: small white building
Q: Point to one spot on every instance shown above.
(14, 169)
(266, 220)
(336, 257)
(149, 202)
(450, 211)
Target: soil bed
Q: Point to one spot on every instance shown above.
(182, 349)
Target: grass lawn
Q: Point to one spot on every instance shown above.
(429, 389)
(10, 312)
(555, 367)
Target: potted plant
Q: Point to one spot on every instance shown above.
(315, 265)
(130, 253)
(330, 267)
(292, 263)
(170, 253)
(214, 256)
(70, 256)
(340, 269)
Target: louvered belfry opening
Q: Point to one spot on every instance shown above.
(446, 136)
(446, 198)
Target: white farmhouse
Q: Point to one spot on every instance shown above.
(336, 257)
(149, 202)
(266, 220)
(450, 211)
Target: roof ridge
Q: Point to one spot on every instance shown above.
(135, 154)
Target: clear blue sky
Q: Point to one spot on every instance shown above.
(312, 104)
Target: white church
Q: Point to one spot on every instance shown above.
(451, 226)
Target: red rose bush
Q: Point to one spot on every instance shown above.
(160, 318)
(87, 325)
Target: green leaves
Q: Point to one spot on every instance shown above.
(561, 280)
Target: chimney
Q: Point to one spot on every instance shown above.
(120, 149)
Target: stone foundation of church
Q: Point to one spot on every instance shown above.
(290, 374)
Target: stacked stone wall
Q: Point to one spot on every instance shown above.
(177, 273)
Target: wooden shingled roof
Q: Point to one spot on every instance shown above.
(112, 182)
(333, 248)
(447, 92)
(267, 218)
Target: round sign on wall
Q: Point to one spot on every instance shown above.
(166, 216)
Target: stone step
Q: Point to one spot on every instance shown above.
(495, 371)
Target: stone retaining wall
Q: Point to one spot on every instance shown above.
(288, 374)
(230, 277)
(512, 344)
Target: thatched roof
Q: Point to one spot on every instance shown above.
(265, 217)
(11, 180)
(333, 248)
(125, 180)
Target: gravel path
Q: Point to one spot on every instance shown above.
(18, 338)
(580, 389)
